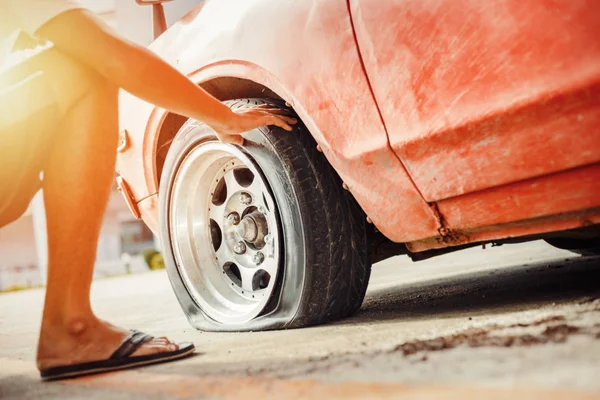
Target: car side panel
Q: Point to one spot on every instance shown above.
(477, 94)
(570, 191)
(305, 51)
(521, 209)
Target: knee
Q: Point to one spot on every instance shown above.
(104, 87)
(106, 102)
(73, 82)
(92, 119)
(104, 91)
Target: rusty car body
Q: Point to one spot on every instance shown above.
(451, 123)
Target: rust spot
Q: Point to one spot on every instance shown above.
(441, 221)
(452, 238)
(587, 222)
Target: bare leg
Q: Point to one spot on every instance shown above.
(77, 185)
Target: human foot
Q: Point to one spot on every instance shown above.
(89, 339)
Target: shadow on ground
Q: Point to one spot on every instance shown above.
(518, 288)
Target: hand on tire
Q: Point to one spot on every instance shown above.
(252, 117)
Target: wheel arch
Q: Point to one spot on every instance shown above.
(226, 80)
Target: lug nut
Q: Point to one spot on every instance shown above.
(234, 218)
(245, 199)
(262, 210)
(239, 248)
(258, 258)
(268, 238)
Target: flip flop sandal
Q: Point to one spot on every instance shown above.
(120, 359)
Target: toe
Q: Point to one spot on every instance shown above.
(162, 341)
(155, 346)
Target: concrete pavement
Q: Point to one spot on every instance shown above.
(518, 321)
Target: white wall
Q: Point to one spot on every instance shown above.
(18, 256)
(135, 21)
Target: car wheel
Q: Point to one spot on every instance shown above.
(261, 236)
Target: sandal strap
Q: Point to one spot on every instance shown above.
(132, 342)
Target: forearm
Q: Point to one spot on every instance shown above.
(132, 67)
(159, 83)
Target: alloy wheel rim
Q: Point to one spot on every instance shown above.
(224, 232)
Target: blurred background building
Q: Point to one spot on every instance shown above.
(23, 256)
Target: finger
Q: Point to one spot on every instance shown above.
(252, 107)
(286, 119)
(289, 120)
(270, 106)
(231, 139)
(278, 111)
(277, 121)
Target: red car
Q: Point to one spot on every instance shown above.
(427, 126)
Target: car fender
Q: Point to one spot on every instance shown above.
(305, 52)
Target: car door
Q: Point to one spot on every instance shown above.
(476, 94)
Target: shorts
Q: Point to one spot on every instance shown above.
(36, 93)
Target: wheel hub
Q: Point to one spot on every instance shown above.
(253, 228)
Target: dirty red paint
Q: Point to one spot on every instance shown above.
(571, 191)
(476, 94)
(321, 75)
(461, 120)
(512, 230)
